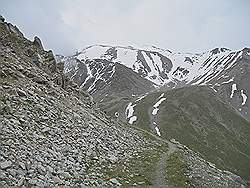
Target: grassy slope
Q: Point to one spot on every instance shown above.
(205, 123)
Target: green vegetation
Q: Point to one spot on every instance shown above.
(142, 110)
(138, 170)
(196, 117)
(175, 170)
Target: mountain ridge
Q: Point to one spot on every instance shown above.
(219, 68)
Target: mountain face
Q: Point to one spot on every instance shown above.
(52, 135)
(226, 72)
(198, 117)
(200, 100)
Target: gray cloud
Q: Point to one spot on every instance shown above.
(180, 25)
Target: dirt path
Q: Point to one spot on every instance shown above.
(160, 179)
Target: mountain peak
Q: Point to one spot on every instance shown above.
(219, 50)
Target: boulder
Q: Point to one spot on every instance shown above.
(1, 19)
(115, 182)
(40, 80)
(38, 43)
(21, 93)
(5, 164)
(14, 29)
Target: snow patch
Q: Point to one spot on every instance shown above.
(132, 119)
(161, 96)
(140, 98)
(158, 131)
(130, 110)
(157, 104)
(234, 88)
(154, 112)
(226, 82)
(244, 97)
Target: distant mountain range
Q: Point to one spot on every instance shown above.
(226, 72)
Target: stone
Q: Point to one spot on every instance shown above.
(20, 181)
(46, 129)
(20, 68)
(22, 165)
(40, 80)
(115, 181)
(41, 169)
(50, 169)
(38, 43)
(5, 164)
(65, 175)
(2, 19)
(57, 180)
(21, 93)
(14, 29)
(29, 74)
(43, 119)
(113, 159)
(2, 174)
(32, 181)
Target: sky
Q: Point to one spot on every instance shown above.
(67, 26)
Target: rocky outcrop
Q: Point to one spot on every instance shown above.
(10, 28)
(38, 43)
(2, 19)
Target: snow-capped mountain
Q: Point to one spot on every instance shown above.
(163, 66)
(227, 72)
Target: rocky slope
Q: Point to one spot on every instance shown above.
(226, 71)
(52, 135)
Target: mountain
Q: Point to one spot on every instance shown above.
(52, 134)
(200, 99)
(226, 72)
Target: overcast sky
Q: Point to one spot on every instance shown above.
(179, 25)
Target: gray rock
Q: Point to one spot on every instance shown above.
(1, 19)
(57, 180)
(5, 164)
(115, 181)
(46, 129)
(14, 29)
(65, 175)
(22, 165)
(40, 80)
(20, 68)
(38, 43)
(20, 181)
(113, 159)
(50, 169)
(21, 93)
(32, 181)
(41, 169)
